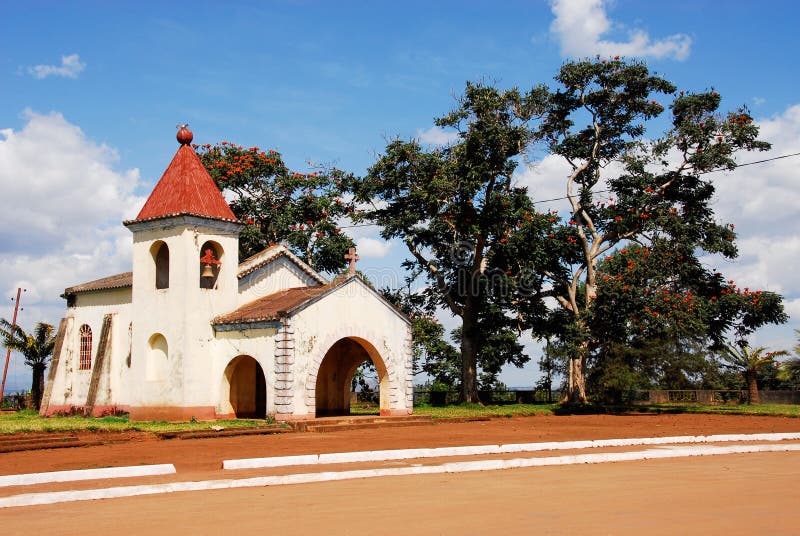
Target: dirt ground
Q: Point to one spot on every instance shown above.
(734, 494)
(207, 454)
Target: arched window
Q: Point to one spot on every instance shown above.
(210, 262)
(85, 361)
(157, 365)
(160, 252)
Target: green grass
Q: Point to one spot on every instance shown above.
(364, 408)
(774, 410)
(29, 421)
(475, 410)
(510, 410)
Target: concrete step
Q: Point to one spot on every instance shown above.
(54, 441)
(333, 424)
(33, 437)
(227, 432)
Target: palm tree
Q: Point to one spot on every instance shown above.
(37, 349)
(748, 362)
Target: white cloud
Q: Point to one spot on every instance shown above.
(58, 186)
(761, 201)
(369, 247)
(70, 67)
(436, 136)
(793, 308)
(580, 25)
(545, 179)
(63, 207)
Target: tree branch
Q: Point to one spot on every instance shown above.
(434, 271)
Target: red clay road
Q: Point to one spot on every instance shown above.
(731, 494)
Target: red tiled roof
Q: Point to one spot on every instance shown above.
(186, 188)
(273, 306)
(115, 281)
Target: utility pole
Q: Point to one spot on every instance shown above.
(8, 351)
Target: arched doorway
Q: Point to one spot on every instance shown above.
(248, 388)
(332, 391)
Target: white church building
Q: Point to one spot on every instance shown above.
(191, 332)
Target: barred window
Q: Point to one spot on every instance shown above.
(86, 348)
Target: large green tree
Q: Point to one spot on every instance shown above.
(625, 185)
(456, 208)
(301, 210)
(36, 348)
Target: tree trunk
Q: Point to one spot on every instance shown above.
(37, 386)
(752, 387)
(576, 386)
(469, 360)
(576, 380)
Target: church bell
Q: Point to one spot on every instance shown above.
(208, 271)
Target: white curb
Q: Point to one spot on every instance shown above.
(442, 452)
(86, 474)
(32, 499)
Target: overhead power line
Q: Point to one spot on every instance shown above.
(763, 161)
(756, 162)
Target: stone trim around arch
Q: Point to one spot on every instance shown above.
(284, 378)
(398, 386)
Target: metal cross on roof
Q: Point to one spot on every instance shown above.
(352, 256)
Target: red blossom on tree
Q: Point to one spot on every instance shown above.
(301, 210)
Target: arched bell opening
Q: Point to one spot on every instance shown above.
(335, 374)
(211, 254)
(246, 388)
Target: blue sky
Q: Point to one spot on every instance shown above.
(91, 93)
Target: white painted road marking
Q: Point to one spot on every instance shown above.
(32, 499)
(478, 450)
(86, 474)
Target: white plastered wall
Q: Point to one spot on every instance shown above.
(352, 310)
(278, 275)
(70, 384)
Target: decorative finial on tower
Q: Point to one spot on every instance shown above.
(185, 135)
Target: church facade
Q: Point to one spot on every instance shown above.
(191, 332)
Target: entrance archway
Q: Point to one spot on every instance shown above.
(332, 392)
(248, 388)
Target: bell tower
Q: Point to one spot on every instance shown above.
(185, 264)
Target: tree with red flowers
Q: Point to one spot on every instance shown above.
(625, 188)
(657, 308)
(301, 210)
